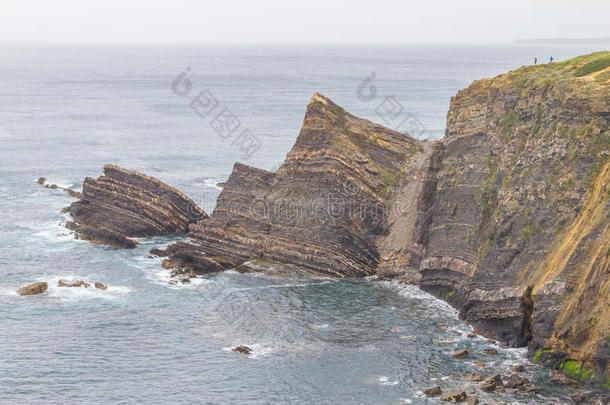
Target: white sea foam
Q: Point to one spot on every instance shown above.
(78, 293)
(157, 274)
(439, 307)
(55, 232)
(258, 350)
(213, 183)
(60, 183)
(383, 380)
(70, 293)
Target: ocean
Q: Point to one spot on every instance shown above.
(65, 112)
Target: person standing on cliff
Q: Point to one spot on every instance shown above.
(535, 61)
(551, 60)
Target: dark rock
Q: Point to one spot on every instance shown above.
(433, 391)
(461, 354)
(33, 289)
(479, 363)
(124, 204)
(158, 252)
(472, 401)
(490, 352)
(518, 368)
(100, 286)
(492, 383)
(242, 349)
(454, 396)
(472, 336)
(516, 381)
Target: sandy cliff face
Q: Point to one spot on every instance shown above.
(519, 238)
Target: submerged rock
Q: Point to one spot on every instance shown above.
(490, 352)
(43, 181)
(461, 354)
(33, 289)
(454, 396)
(474, 377)
(75, 283)
(242, 349)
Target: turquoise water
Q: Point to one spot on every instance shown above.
(64, 113)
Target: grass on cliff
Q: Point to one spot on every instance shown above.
(543, 75)
(592, 67)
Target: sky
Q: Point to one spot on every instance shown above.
(218, 22)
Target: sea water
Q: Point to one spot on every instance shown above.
(65, 112)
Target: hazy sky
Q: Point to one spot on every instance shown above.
(306, 21)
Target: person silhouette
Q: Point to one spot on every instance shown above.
(551, 59)
(535, 61)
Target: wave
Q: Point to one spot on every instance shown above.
(213, 183)
(70, 293)
(153, 271)
(55, 232)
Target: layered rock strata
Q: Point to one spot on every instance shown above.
(123, 204)
(323, 210)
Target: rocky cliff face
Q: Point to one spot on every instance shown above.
(506, 217)
(123, 204)
(519, 238)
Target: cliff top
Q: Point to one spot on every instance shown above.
(593, 68)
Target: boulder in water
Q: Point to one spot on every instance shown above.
(100, 286)
(461, 354)
(433, 391)
(454, 396)
(33, 289)
(242, 349)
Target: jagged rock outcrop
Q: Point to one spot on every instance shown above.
(323, 210)
(123, 204)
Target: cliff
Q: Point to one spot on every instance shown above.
(506, 218)
(519, 239)
(123, 204)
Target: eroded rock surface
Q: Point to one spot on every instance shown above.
(123, 204)
(323, 210)
(33, 289)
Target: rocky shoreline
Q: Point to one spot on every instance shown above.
(506, 218)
